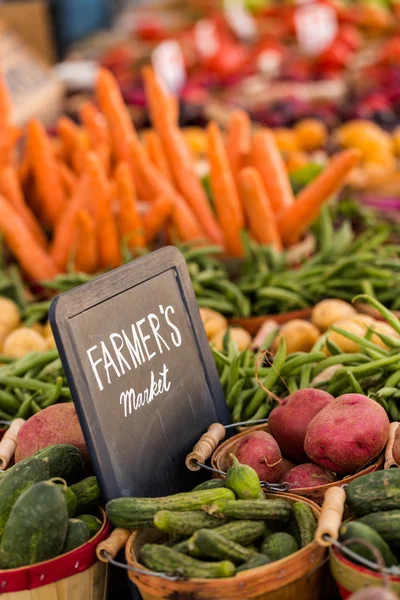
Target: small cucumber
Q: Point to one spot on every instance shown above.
(93, 523)
(214, 545)
(36, 528)
(258, 560)
(378, 491)
(16, 481)
(64, 461)
(166, 560)
(211, 484)
(306, 521)
(274, 511)
(87, 493)
(133, 513)
(70, 499)
(241, 532)
(355, 529)
(185, 523)
(243, 481)
(278, 545)
(77, 534)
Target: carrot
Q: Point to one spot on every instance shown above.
(65, 234)
(258, 210)
(109, 250)
(296, 219)
(226, 199)
(86, 259)
(33, 259)
(179, 158)
(238, 140)
(156, 154)
(69, 133)
(95, 124)
(5, 105)
(267, 158)
(25, 166)
(11, 189)
(130, 222)
(154, 220)
(68, 178)
(45, 171)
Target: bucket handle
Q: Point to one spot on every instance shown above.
(331, 516)
(205, 446)
(389, 460)
(8, 444)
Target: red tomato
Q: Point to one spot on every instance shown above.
(350, 36)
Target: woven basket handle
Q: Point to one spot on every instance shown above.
(8, 444)
(331, 515)
(113, 544)
(389, 460)
(205, 446)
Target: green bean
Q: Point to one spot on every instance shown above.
(337, 360)
(31, 360)
(24, 409)
(220, 356)
(385, 312)
(305, 376)
(269, 338)
(362, 342)
(220, 305)
(238, 408)
(292, 385)
(35, 407)
(5, 416)
(393, 380)
(332, 347)
(370, 367)
(8, 402)
(201, 251)
(233, 373)
(245, 358)
(32, 384)
(393, 410)
(300, 361)
(255, 403)
(55, 395)
(234, 393)
(326, 232)
(262, 371)
(225, 376)
(276, 293)
(339, 387)
(354, 383)
(367, 287)
(7, 360)
(261, 413)
(388, 392)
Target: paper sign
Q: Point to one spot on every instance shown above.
(141, 373)
(316, 27)
(169, 65)
(240, 19)
(206, 38)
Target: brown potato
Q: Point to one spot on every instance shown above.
(22, 341)
(386, 329)
(364, 320)
(344, 343)
(213, 321)
(299, 335)
(238, 335)
(329, 311)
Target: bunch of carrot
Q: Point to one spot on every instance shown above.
(72, 199)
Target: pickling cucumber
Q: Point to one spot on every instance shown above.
(36, 528)
(93, 523)
(211, 484)
(241, 532)
(185, 523)
(16, 481)
(87, 493)
(243, 481)
(274, 511)
(133, 513)
(214, 545)
(378, 491)
(64, 461)
(355, 529)
(166, 560)
(279, 545)
(306, 521)
(70, 499)
(77, 534)
(258, 560)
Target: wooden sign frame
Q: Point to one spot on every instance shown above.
(74, 303)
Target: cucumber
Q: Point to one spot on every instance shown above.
(278, 545)
(36, 528)
(70, 499)
(211, 484)
(185, 523)
(387, 524)
(376, 492)
(16, 481)
(275, 511)
(306, 521)
(77, 534)
(166, 560)
(64, 461)
(243, 481)
(87, 493)
(241, 532)
(355, 529)
(93, 523)
(293, 528)
(133, 513)
(258, 560)
(213, 545)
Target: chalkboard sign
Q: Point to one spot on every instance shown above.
(141, 373)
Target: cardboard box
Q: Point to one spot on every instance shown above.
(34, 89)
(31, 21)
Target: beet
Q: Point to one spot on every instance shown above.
(260, 451)
(308, 475)
(347, 434)
(288, 422)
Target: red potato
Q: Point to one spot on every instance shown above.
(347, 433)
(260, 451)
(288, 422)
(396, 447)
(57, 424)
(308, 475)
(286, 466)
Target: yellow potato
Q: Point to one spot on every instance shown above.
(10, 316)
(329, 311)
(213, 321)
(22, 341)
(238, 335)
(364, 320)
(345, 344)
(299, 335)
(386, 329)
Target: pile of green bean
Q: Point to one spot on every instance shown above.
(372, 371)
(31, 383)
